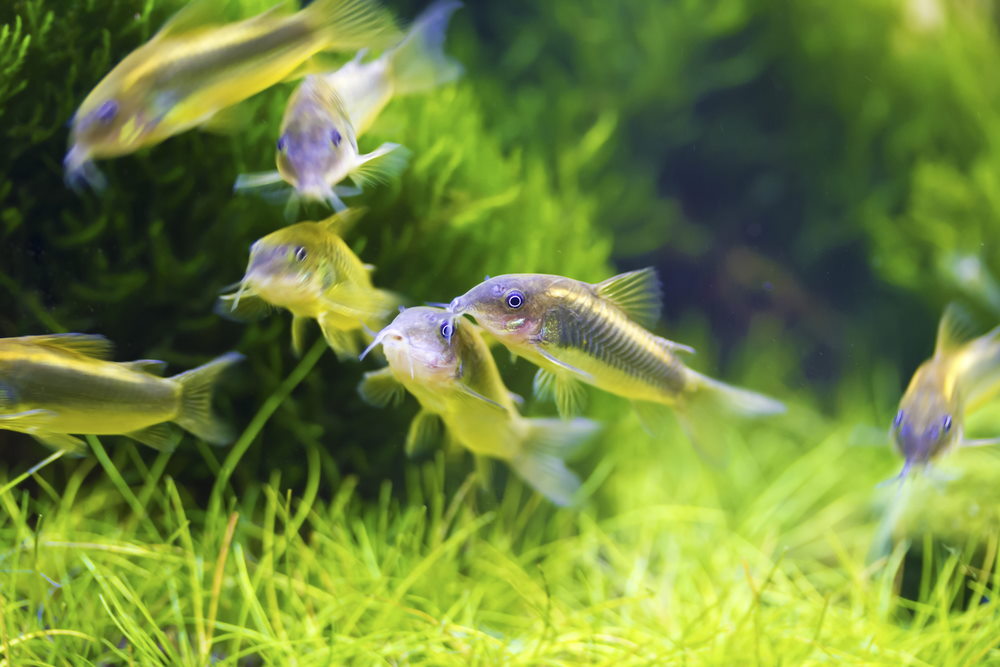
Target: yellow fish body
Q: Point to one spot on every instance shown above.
(961, 376)
(325, 116)
(596, 334)
(56, 385)
(308, 269)
(196, 66)
(445, 364)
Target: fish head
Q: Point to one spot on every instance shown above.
(107, 124)
(291, 267)
(424, 344)
(512, 307)
(317, 146)
(926, 426)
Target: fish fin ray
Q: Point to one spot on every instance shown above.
(424, 435)
(161, 437)
(381, 388)
(195, 413)
(342, 222)
(570, 396)
(86, 345)
(195, 14)
(981, 442)
(344, 344)
(562, 364)
(541, 460)
(150, 366)
(350, 25)
(638, 294)
(382, 165)
(955, 328)
(674, 346)
(250, 307)
(472, 393)
(418, 62)
(70, 444)
(543, 386)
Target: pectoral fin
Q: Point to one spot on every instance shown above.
(247, 308)
(343, 221)
(981, 442)
(34, 422)
(161, 437)
(298, 333)
(472, 393)
(380, 388)
(569, 394)
(62, 442)
(382, 165)
(343, 343)
(562, 364)
(424, 435)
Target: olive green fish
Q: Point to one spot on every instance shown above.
(328, 113)
(197, 65)
(308, 269)
(57, 385)
(578, 332)
(445, 364)
(960, 378)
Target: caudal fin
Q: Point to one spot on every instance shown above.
(350, 25)
(705, 411)
(540, 463)
(196, 413)
(419, 62)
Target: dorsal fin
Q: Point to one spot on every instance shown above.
(87, 345)
(195, 14)
(637, 293)
(341, 222)
(955, 328)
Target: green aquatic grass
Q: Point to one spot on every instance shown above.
(765, 561)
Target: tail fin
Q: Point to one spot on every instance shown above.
(547, 443)
(702, 413)
(350, 25)
(196, 400)
(419, 63)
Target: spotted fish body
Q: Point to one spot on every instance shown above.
(960, 377)
(445, 364)
(57, 385)
(597, 334)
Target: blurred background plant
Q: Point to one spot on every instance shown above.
(813, 180)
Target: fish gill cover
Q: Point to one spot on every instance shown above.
(812, 180)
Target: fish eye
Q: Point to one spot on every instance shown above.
(281, 143)
(447, 331)
(335, 137)
(301, 253)
(898, 420)
(515, 299)
(107, 111)
(946, 423)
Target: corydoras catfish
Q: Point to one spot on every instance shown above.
(443, 361)
(198, 65)
(318, 143)
(596, 334)
(961, 377)
(57, 385)
(310, 270)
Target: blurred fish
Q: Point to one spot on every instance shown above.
(446, 365)
(961, 377)
(310, 270)
(55, 385)
(970, 274)
(578, 332)
(197, 65)
(318, 145)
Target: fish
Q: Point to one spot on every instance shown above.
(318, 143)
(308, 269)
(962, 375)
(53, 386)
(198, 66)
(581, 333)
(445, 364)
